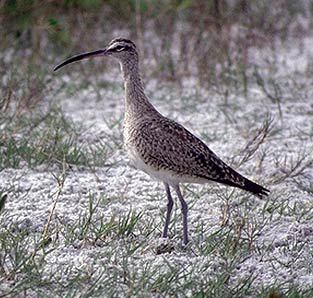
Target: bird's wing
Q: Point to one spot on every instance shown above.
(173, 147)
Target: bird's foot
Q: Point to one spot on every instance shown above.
(164, 246)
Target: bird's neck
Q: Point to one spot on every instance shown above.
(136, 102)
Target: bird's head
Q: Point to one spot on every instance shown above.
(120, 48)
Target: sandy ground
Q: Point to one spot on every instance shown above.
(283, 244)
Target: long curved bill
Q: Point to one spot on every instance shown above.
(80, 57)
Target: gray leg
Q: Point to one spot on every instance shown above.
(184, 208)
(169, 210)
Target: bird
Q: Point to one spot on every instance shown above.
(159, 146)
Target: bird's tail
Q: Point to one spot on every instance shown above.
(256, 189)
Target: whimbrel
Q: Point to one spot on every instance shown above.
(159, 146)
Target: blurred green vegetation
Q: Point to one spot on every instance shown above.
(30, 23)
(181, 37)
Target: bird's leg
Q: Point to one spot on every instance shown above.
(168, 211)
(184, 208)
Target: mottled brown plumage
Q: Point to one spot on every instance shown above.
(161, 147)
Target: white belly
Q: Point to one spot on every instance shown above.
(166, 176)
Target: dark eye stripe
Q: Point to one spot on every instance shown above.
(119, 48)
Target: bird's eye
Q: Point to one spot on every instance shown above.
(119, 48)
